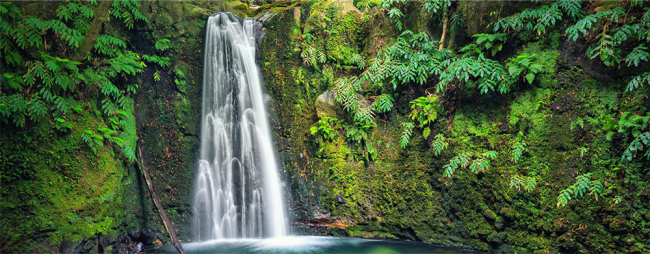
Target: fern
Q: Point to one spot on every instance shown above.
(364, 115)
(490, 74)
(462, 160)
(578, 122)
(383, 103)
(517, 150)
(424, 110)
(638, 81)
(480, 163)
(312, 57)
(537, 20)
(162, 61)
(518, 181)
(492, 42)
(526, 65)
(127, 11)
(406, 134)
(162, 45)
(109, 45)
(439, 143)
(584, 184)
(637, 145)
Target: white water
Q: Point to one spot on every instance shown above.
(238, 191)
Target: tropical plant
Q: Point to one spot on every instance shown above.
(326, 126)
(518, 181)
(407, 131)
(524, 64)
(619, 33)
(162, 45)
(492, 42)
(480, 162)
(540, 18)
(439, 143)
(518, 149)
(424, 110)
(584, 184)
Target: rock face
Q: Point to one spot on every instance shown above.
(236, 7)
(326, 105)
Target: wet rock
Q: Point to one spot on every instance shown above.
(147, 236)
(135, 234)
(340, 199)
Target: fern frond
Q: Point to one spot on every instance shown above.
(406, 134)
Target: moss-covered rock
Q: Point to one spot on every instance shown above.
(236, 7)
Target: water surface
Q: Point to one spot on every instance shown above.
(311, 244)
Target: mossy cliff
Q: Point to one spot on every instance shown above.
(58, 195)
(384, 190)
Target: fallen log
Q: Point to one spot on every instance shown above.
(156, 200)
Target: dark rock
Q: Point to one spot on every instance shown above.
(147, 236)
(124, 238)
(89, 245)
(340, 199)
(68, 247)
(135, 234)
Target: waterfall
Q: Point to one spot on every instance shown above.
(238, 192)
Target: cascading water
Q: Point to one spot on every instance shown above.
(238, 192)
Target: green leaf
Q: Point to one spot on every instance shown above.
(530, 77)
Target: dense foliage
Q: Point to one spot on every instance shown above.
(514, 115)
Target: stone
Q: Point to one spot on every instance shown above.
(326, 105)
(340, 199)
(236, 7)
(147, 236)
(135, 234)
(68, 247)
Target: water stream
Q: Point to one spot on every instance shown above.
(238, 192)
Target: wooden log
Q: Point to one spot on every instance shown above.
(156, 200)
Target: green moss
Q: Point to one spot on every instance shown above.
(236, 7)
(164, 19)
(88, 196)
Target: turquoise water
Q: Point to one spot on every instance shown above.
(310, 244)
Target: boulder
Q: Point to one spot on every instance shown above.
(147, 236)
(135, 234)
(326, 105)
(236, 7)
(69, 247)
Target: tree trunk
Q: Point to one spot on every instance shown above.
(93, 31)
(156, 200)
(444, 32)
